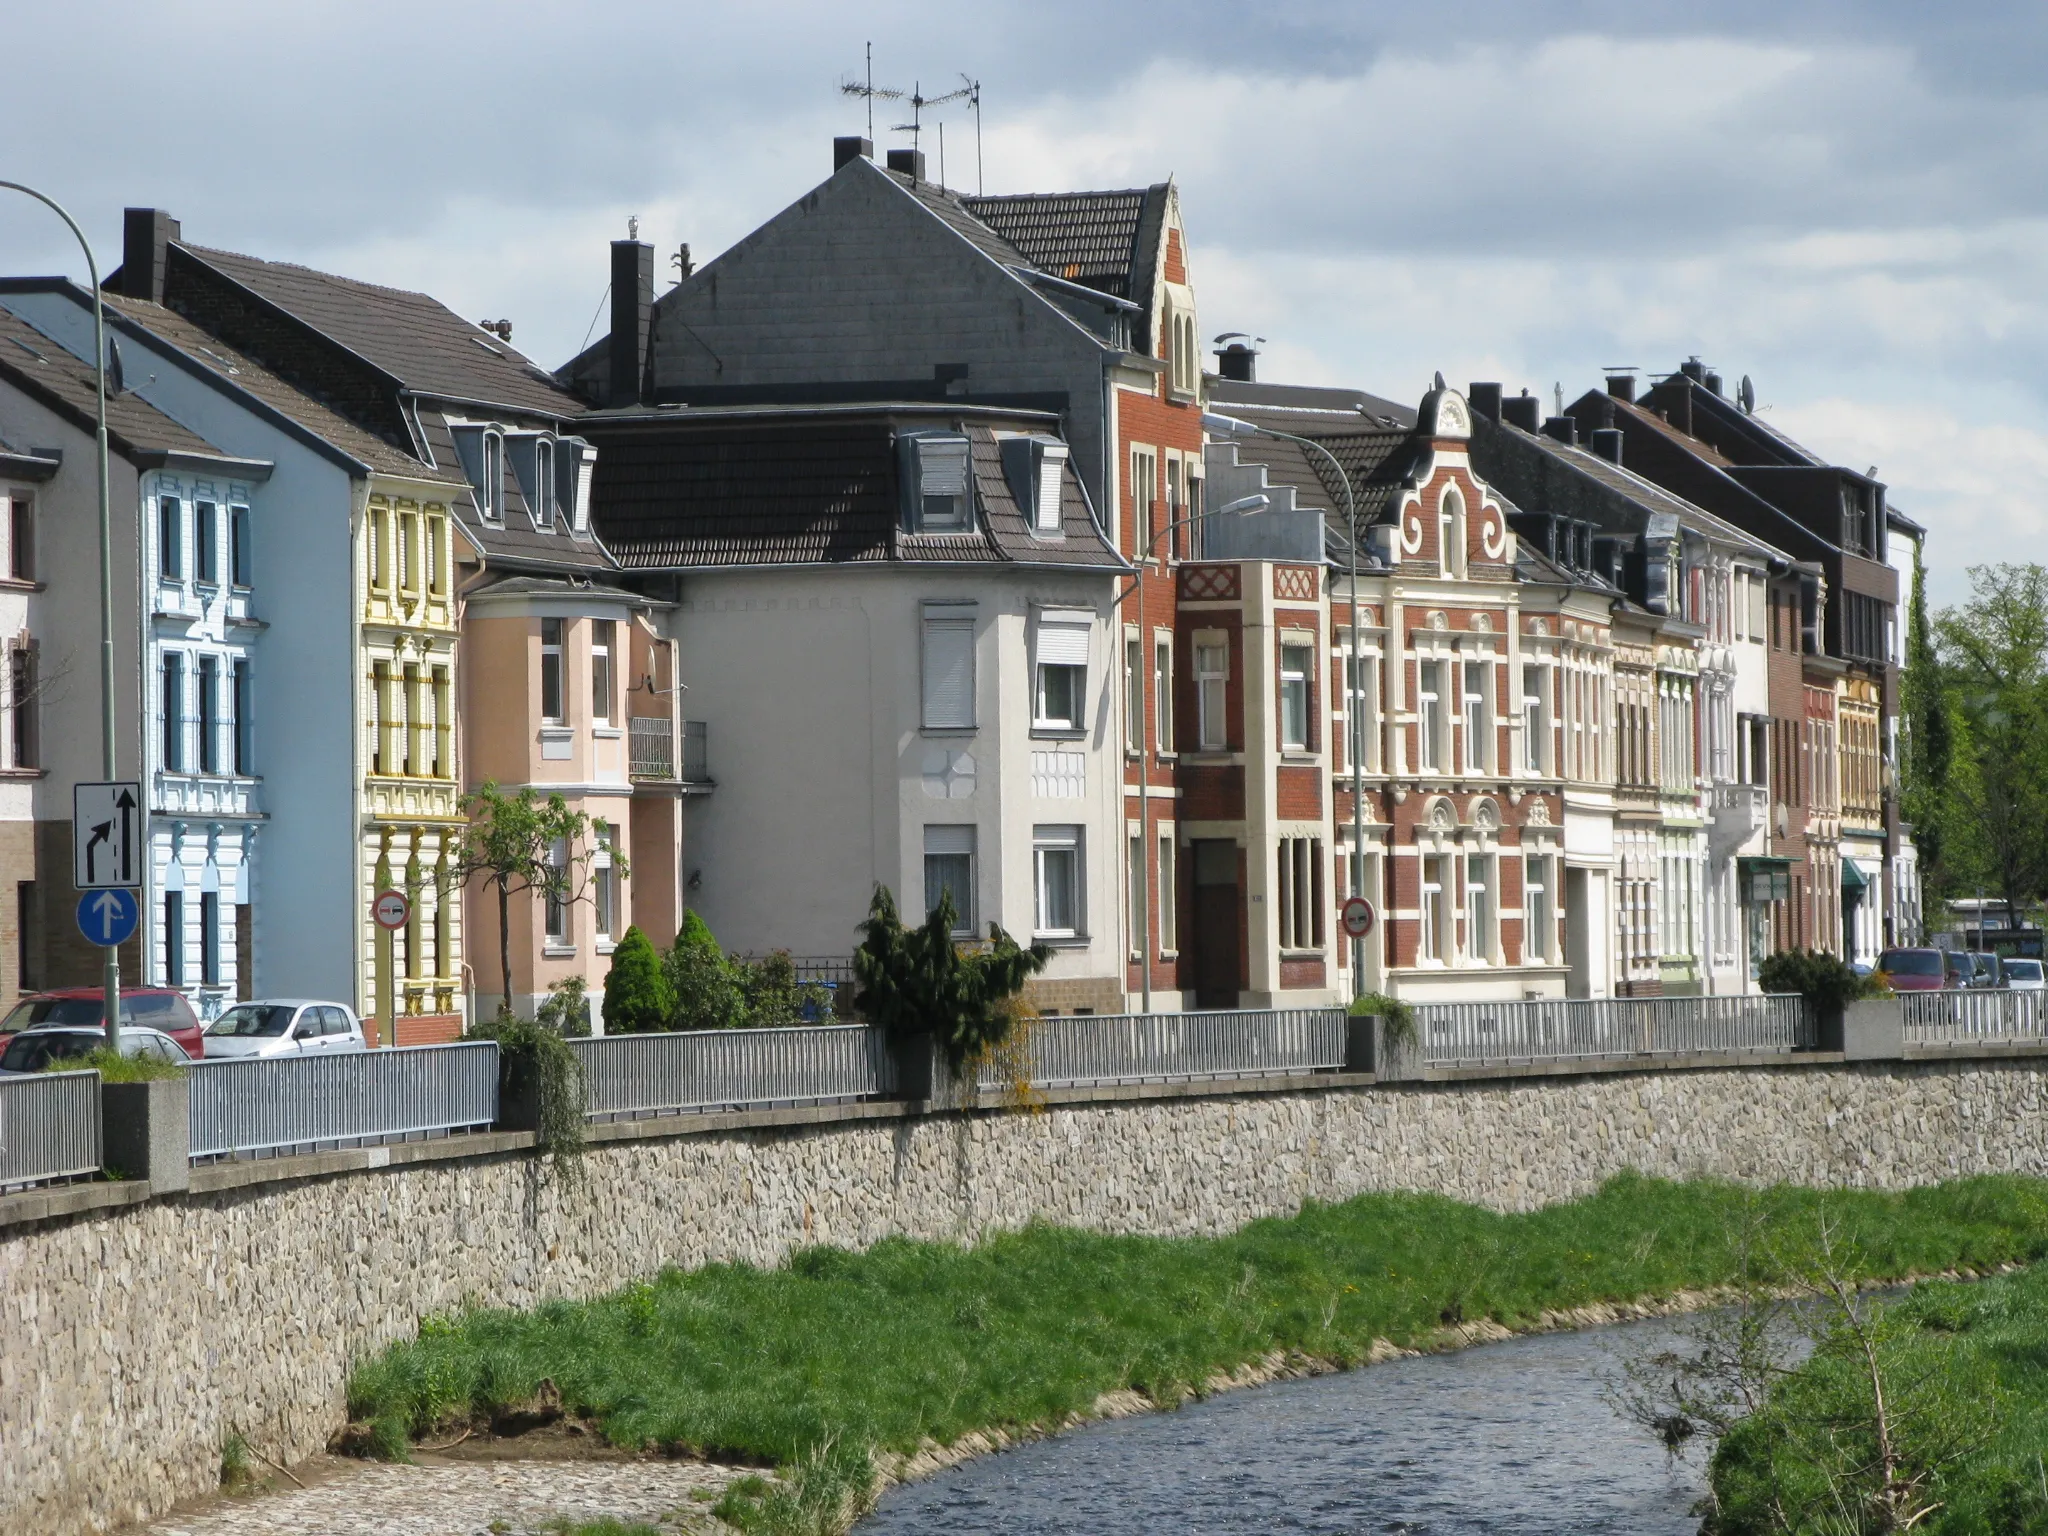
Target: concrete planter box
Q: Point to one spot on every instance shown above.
(924, 1073)
(148, 1131)
(1872, 1030)
(1368, 1047)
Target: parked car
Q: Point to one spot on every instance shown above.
(1913, 970)
(283, 1026)
(36, 1050)
(2024, 975)
(144, 1007)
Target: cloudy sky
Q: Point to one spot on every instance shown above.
(1846, 202)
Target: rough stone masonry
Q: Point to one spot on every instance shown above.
(135, 1340)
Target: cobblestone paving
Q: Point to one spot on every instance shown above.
(464, 1499)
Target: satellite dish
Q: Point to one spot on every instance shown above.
(1747, 395)
(117, 382)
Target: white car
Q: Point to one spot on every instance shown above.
(2025, 976)
(52, 1045)
(283, 1026)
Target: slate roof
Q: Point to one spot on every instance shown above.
(516, 538)
(65, 384)
(1235, 396)
(714, 488)
(1376, 459)
(413, 337)
(543, 586)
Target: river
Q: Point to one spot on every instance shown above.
(1508, 1439)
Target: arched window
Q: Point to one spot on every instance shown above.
(1450, 522)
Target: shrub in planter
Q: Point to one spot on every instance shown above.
(1827, 981)
(540, 1081)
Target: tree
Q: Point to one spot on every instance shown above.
(567, 1009)
(637, 997)
(707, 994)
(920, 981)
(522, 843)
(1927, 745)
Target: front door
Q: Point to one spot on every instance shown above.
(1578, 934)
(1216, 924)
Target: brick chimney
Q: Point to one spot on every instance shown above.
(632, 314)
(907, 162)
(146, 234)
(847, 148)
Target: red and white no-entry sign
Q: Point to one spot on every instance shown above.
(1358, 917)
(391, 909)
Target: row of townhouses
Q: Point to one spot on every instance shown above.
(927, 521)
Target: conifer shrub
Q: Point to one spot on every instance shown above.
(701, 980)
(637, 995)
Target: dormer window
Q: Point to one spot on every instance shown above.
(544, 483)
(935, 491)
(491, 494)
(574, 462)
(1035, 468)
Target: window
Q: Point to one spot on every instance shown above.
(1056, 878)
(1045, 507)
(373, 718)
(21, 539)
(1539, 921)
(411, 748)
(1061, 687)
(1534, 735)
(1162, 690)
(1134, 692)
(23, 706)
(551, 703)
(407, 575)
(245, 740)
(935, 470)
(239, 552)
(437, 565)
(379, 542)
(1478, 717)
(1212, 678)
(174, 938)
(174, 712)
(557, 896)
(1436, 917)
(209, 938)
(949, 873)
(444, 726)
(544, 483)
(24, 935)
(207, 680)
(170, 539)
(1479, 908)
(1297, 668)
(493, 488)
(1450, 521)
(1361, 677)
(1135, 876)
(206, 527)
(603, 635)
(1169, 876)
(1301, 893)
(948, 667)
(1429, 715)
(1144, 495)
(603, 881)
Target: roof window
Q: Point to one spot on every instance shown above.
(935, 483)
(1035, 468)
(482, 451)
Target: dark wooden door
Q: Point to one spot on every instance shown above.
(1216, 924)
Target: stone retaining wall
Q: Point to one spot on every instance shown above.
(133, 1340)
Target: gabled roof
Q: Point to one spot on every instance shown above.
(418, 341)
(1330, 407)
(66, 384)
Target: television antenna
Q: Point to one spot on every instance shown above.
(969, 92)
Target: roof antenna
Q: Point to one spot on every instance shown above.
(867, 88)
(1557, 394)
(633, 227)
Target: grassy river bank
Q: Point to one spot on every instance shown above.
(837, 1364)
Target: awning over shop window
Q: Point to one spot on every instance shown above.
(1764, 878)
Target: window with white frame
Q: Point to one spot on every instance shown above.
(935, 471)
(1169, 875)
(23, 713)
(1050, 488)
(404, 572)
(603, 639)
(206, 679)
(553, 708)
(1134, 691)
(241, 555)
(1135, 876)
(1539, 916)
(604, 891)
(1479, 908)
(1435, 907)
(1056, 882)
(1301, 893)
(1477, 716)
(174, 711)
(1060, 690)
(556, 897)
(206, 542)
(1450, 522)
(948, 666)
(949, 873)
(492, 491)
(170, 539)
(1162, 689)
(1297, 686)
(544, 483)
(1429, 714)
(1535, 729)
(1361, 709)
(1212, 692)
(1144, 496)
(18, 516)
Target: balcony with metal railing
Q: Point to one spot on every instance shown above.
(654, 758)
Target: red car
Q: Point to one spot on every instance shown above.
(1915, 970)
(156, 1007)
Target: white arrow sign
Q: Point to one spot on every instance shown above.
(106, 836)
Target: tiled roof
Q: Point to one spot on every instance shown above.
(66, 384)
(951, 210)
(416, 339)
(1091, 238)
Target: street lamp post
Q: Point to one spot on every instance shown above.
(110, 975)
(1246, 504)
(1232, 426)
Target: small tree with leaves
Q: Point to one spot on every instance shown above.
(706, 992)
(523, 844)
(921, 981)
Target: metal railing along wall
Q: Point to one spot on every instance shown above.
(1088, 1050)
(49, 1128)
(650, 746)
(350, 1097)
(1944, 1018)
(628, 1076)
(1455, 1034)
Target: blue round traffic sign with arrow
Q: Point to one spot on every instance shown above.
(107, 918)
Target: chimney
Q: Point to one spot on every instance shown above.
(632, 313)
(851, 148)
(1238, 362)
(1713, 382)
(146, 234)
(1523, 410)
(1622, 386)
(1564, 429)
(1485, 400)
(1607, 443)
(907, 162)
(1693, 369)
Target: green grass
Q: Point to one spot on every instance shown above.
(1967, 1369)
(113, 1067)
(837, 1352)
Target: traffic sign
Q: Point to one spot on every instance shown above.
(106, 836)
(107, 918)
(1358, 917)
(391, 909)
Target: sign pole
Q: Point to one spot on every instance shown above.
(387, 1004)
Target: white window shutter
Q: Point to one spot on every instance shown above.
(948, 673)
(1063, 637)
(942, 466)
(1051, 481)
